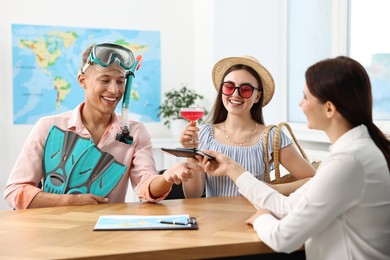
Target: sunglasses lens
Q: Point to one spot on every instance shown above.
(228, 88)
(246, 91)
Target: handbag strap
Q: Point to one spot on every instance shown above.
(265, 150)
(276, 146)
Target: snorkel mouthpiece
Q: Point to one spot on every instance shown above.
(125, 136)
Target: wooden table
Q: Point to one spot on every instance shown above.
(67, 232)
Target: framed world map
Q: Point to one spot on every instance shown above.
(47, 59)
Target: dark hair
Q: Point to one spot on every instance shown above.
(219, 113)
(85, 55)
(345, 83)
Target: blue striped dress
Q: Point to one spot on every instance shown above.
(249, 157)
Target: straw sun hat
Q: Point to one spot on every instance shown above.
(223, 65)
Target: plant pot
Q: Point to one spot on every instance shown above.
(177, 127)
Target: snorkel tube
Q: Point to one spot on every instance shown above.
(125, 136)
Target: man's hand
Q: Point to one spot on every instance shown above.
(182, 172)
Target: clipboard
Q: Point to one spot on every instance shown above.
(140, 222)
(187, 152)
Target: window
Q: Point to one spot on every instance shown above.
(309, 40)
(322, 29)
(369, 43)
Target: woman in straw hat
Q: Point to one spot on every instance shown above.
(244, 86)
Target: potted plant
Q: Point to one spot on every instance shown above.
(174, 99)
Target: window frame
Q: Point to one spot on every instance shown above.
(340, 42)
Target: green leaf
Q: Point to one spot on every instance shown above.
(176, 99)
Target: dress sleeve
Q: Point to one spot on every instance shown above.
(205, 134)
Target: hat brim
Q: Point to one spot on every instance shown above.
(267, 80)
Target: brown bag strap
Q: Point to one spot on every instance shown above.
(276, 147)
(265, 150)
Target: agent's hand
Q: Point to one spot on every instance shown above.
(181, 172)
(189, 134)
(258, 213)
(220, 166)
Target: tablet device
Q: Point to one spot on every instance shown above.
(187, 152)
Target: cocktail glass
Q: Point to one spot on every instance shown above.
(192, 114)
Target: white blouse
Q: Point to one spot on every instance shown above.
(343, 212)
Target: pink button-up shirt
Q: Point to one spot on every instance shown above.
(27, 172)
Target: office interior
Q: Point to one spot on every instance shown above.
(194, 35)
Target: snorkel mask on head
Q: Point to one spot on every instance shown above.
(104, 55)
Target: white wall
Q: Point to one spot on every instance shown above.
(194, 35)
(255, 28)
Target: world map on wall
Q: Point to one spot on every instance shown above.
(47, 59)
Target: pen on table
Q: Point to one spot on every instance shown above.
(174, 222)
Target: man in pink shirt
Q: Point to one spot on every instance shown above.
(104, 84)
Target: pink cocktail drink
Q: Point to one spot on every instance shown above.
(192, 115)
